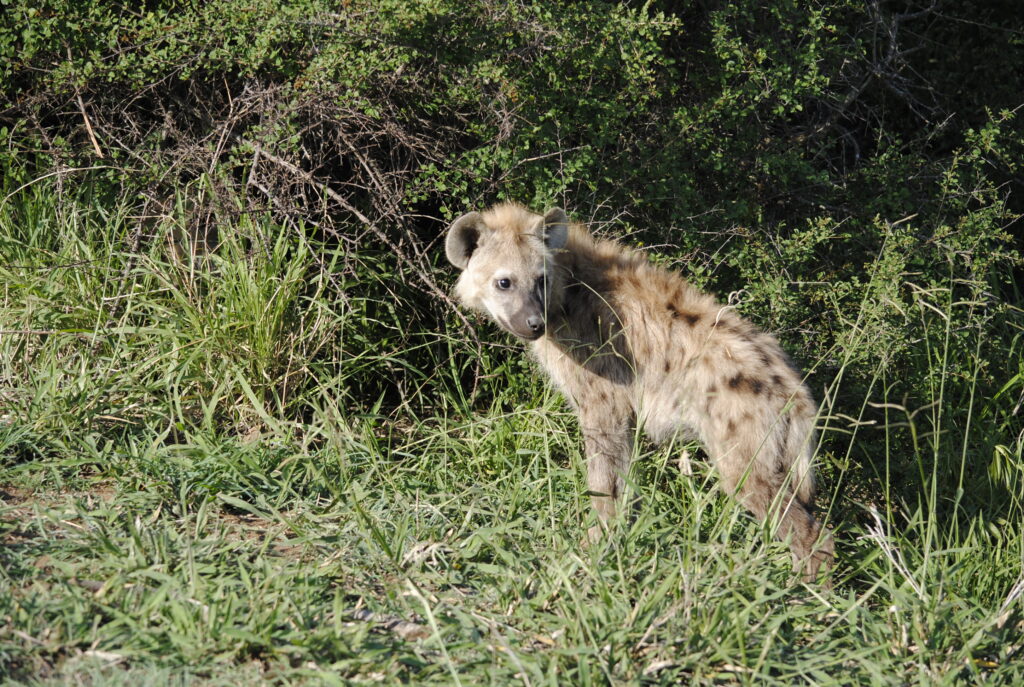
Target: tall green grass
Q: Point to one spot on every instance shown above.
(209, 478)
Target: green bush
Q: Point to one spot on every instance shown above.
(244, 429)
(838, 163)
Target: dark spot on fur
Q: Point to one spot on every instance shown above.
(691, 318)
(712, 389)
(668, 366)
(776, 380)
(766, 359)
(754, 386)
(786, 426)
(731, 427)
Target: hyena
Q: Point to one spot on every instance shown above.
(632, 344)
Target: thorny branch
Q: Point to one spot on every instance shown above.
(414, 262)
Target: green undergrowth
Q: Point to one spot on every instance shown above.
(206, 481)
(212, 560)
(246, 437)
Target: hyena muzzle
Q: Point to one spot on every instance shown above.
(630, 344)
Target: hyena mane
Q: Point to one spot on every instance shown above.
(631, 344)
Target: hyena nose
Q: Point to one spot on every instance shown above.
(535, 323)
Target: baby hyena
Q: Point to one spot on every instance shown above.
(629, 342)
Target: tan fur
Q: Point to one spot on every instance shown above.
(630, 344)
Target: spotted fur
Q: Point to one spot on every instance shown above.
(632, 344)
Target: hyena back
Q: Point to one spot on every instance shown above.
(630, 343)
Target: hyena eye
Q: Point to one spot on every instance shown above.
(503, 284)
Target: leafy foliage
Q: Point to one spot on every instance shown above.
(221, 289)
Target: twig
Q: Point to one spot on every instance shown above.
(27, 637)
(85, 118)
(309, 178)
(88, 126)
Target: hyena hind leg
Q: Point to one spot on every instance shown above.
(809, 548)
(796, 522)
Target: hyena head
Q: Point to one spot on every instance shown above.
(506, 257)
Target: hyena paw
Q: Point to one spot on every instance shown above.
(819, 561)
(595, 535)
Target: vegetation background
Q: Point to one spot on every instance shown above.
(246, 437)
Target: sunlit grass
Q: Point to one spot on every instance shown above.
(202, 484)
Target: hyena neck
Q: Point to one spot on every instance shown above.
(586, 325)
(585, 290)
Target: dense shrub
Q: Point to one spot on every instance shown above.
(853, 167)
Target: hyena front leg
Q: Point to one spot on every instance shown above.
(608, 444)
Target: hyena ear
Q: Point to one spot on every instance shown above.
(555, 228)
(463, 237)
